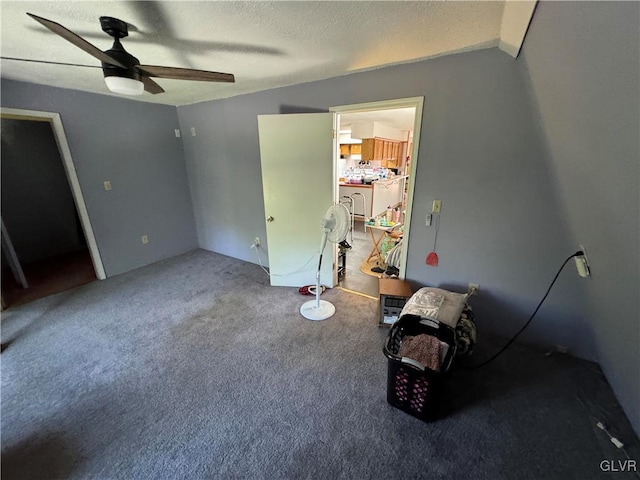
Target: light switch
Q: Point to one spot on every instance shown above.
(193, 131)
(177, 131)
(107, 185)
(437, 205)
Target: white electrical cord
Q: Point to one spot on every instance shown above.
(280, 274)
(613, 439)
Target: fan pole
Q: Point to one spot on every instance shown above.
(318, 309)
(335, 224)
(323, 244)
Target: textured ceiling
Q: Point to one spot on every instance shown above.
(399, 118)
(264, 44)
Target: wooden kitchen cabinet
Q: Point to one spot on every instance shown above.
(350, 149)
(372, 148)
(395, 153)
(368, 149)
(380, 149)
(386, 150)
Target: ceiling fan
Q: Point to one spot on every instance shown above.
(123, 73)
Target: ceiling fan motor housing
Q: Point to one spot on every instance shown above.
(118, 29)
(117, 52)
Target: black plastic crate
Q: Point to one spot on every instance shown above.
(410, 388)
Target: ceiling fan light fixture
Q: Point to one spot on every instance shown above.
(124, 85)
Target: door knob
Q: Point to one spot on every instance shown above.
(269, 218)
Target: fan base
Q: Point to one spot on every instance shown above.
(322, 312)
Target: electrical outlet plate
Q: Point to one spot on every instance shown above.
(582, 263)
(473, 289)
(428, 220)
(256, 241)
(437, 206)
(584, 252)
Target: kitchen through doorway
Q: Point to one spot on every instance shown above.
(374, 177)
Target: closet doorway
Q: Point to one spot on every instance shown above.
(45, 245)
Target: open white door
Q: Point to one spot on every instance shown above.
(297, 156)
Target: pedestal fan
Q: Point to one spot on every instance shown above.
(335, 225)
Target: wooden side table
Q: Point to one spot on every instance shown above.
(394, 293)
(375, 251)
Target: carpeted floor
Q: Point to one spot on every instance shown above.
(195, 368)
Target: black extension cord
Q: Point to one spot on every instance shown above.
(491, 359)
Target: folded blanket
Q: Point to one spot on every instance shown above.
(426, 349)
(437, 304)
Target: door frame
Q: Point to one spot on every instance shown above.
(65, 154)
(417, 103)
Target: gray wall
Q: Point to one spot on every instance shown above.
(132, 144)
(37, 205)
(502, 225)
(583, 62)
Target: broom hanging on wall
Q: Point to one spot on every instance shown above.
(432, 257)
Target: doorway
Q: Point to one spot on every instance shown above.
(47, 241)
(375, 169)
(297, 197)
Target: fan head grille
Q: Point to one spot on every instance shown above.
(336, 223)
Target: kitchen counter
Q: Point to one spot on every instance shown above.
(377, 196)
(385, 181)
(392, 179)
(357, 185)
(388, 192)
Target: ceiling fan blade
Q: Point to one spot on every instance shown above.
(77, 40)
(186, 74)
(49, 62)
(151, 86)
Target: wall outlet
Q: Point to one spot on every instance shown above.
(144, 239)
(177, 132)
(473, 289)
(256, 242)
(582, 263)
(193, 131)
(428, 220)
